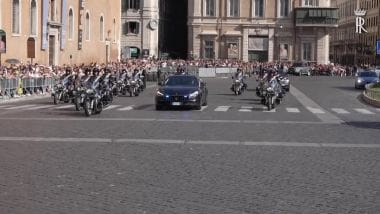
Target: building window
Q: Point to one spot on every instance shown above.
(33, 18)
(114, 30)
(52, 10)
(131, 28)
(131, 4)
(306, 51)
(210, 7)
(16, 17)
(234, 7)
(101, 27)
(71, 24)
(87, 26)
(284, 8)
(258, 8)
(209, 49)
(311, 3)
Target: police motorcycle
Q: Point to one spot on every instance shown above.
(97, 96)
(272, 93)
(284, 81)
(238, 85)
(64, 90)
(107, 87)
(133, 86)
(80, 93)
(120, 85)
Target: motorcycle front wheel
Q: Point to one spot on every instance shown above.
(87, 108)
(77, 104)
(99, 107)
(55, 97)
(270, 103)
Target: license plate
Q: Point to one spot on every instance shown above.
(176, 103)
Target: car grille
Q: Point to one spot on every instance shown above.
(177, 99)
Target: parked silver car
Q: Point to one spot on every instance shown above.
(365, 77)
(300, 68)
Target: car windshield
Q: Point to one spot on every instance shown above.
(181, 81)
(367, 74)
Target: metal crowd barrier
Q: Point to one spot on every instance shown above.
(19, 86)
(371, 92)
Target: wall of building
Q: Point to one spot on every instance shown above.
(147, 37)
(349, 47)
(92, 50)
(248, 30)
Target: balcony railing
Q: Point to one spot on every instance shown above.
(316, 17)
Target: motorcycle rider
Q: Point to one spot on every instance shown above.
(239, 76)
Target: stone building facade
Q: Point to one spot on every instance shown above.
(64, 31)
(139, 24)
(349, 47)
(264, 30)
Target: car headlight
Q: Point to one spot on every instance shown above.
(159, 93)
(194, 95)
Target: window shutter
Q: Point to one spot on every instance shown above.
(125, 28)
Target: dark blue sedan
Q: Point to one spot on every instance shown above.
(365, 77)
(181, 91)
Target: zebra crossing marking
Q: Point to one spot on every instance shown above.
(363, 111)
(246, 109)
(293, 110)
(270, 111)
(203, 108)
(222, 108)
(5, 106)
(39, 107)
(65, 107)
(315, 110)
(128, 108)
(111, 107)
(19, 107)
(340, 111)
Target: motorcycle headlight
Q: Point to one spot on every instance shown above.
(194, 95)
(159, 93)
(269, 89)
(285, 81)
(89, 91)
(237, 81)
(359, 80)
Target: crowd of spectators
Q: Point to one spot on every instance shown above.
(22, 71)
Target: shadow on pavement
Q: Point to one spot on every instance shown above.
(348, 88)
(364, 124)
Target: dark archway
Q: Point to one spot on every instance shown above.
(173, 29)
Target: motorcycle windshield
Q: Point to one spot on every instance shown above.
(65, 80)
(91, 84)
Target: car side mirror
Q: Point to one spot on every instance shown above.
(159, 83)
(232, 77)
